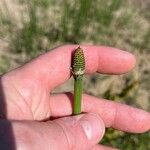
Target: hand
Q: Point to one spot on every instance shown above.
(26, 105)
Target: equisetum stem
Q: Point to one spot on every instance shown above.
(78, 69)
(77, 95)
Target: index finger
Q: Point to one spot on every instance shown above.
(53, 68)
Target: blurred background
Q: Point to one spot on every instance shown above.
(29, 28)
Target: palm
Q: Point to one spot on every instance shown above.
(29, 99)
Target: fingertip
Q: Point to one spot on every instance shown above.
(93, 127)
(140, 119)
(82, 131)
(115, 61)
(131, 61)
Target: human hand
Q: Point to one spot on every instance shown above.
(26, 105)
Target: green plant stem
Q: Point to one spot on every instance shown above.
(77, 95)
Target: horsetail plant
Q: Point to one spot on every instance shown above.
(78, 69)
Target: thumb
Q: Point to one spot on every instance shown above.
(80, 132)
(76, 132)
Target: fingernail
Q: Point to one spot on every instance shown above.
(92, 126)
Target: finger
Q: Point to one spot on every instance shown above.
(53, 68)
(101, 147)
(118, 116)
(80, 132)
(85, 133)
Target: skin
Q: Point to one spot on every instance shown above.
(32, 118)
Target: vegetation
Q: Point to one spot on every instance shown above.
(41, 25)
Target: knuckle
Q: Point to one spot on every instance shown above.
(68, 134)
